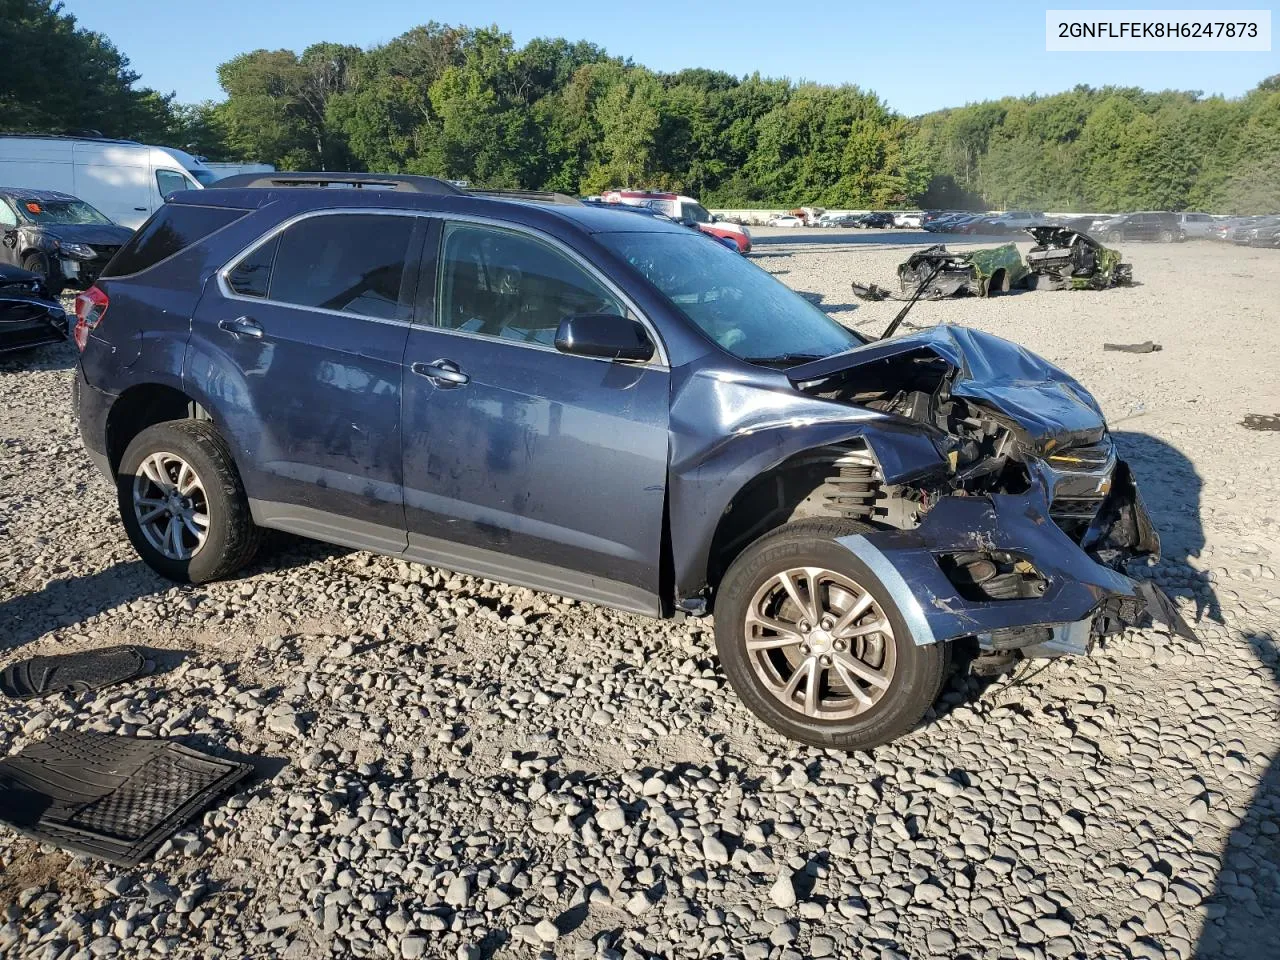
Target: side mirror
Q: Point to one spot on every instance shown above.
(604, 335)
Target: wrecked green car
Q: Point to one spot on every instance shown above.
(936, 273)
(1064, 259)
(1061, 259)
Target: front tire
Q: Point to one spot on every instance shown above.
(39, 264)
(183, 504)
(814, 645)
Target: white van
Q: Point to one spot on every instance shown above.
(221, 169)
(127, 181)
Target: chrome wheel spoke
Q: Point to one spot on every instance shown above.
(846, 676)
(151, 515)
(805, 606)
(187, 479)
(875, 626)
(877, 678)
(170, 505)
(196, 531)
(859, 607)
(153, 467)
(806, 646)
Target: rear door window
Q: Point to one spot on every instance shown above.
(252, 275)
(173, 228)
(351, 263)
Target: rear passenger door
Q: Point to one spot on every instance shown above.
(302, 338)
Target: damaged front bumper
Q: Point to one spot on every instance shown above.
(1065, 597)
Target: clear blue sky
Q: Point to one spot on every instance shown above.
(917, 56)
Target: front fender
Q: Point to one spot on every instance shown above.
(728, 428)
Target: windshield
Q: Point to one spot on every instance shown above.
(734, 302)
(203, 177)
(59, 211)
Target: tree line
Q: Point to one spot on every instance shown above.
(468, 103)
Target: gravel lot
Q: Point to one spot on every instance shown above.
(449, 767)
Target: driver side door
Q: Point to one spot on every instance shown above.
(522, 463)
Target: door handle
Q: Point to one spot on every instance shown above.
(241, 327)
(141, 209)
(441, 372)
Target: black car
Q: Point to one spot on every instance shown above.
(1151, 225)
(607, 407)
(880, 220)
(57, 236)
(29, 317)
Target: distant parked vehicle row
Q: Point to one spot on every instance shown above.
(1249, 231)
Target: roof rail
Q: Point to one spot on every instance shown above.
(400, 183)
(544, 196)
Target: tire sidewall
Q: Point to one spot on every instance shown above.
(915, 682)
(166, 438)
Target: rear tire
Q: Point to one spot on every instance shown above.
(1166, 236)
(898, 679)
(183, 504)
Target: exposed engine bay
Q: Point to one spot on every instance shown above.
(936, 273)
(1064, 259)
(1031, 506)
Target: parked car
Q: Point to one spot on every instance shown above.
(786, 221)
(62, 239)
(908, 220)
(1262, 233)
(620, 412)
(848, 220)
(684, 210)
(1016, 220)
(877, 220)
(1149, 225)
(1195, 226)
(124, 179)
(29, 316)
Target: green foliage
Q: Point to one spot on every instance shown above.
(467, 103)
(59, 78)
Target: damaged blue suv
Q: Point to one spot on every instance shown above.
(606, 407)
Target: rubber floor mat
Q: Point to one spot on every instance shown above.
(112, 797)
(90, 670)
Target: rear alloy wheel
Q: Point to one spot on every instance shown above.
(1166, 236)
(813, 643)
(171, 506)
(183, 504)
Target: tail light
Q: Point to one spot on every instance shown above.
(91, 307)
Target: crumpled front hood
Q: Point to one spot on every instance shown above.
(95, 234)
(1046, 405)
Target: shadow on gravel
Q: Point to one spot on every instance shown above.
(1243, 916)
(69, 601)
(1171, 488)
(52, 356)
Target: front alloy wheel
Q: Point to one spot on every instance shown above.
(820, 643)
(814, 644)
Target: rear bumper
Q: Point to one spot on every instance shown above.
(1081, 600)
(91, 406)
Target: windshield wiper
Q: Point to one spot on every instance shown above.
(784, 359)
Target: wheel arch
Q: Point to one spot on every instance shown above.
(144, 405)
(836, 481)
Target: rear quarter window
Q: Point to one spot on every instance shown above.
(174, 228)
